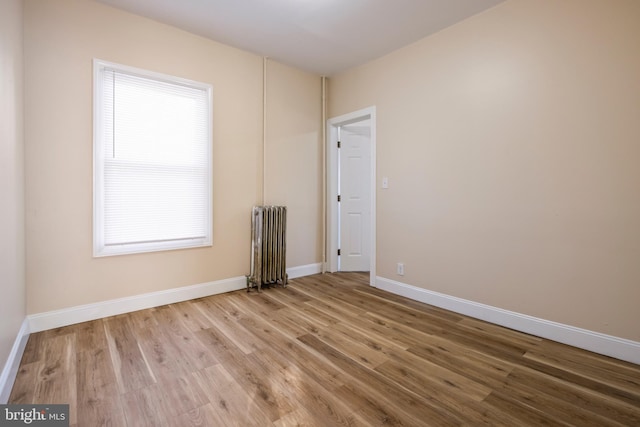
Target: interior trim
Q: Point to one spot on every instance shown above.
(10, 370)
(84, 313)
(596, 342)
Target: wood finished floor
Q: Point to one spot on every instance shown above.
(326, 351)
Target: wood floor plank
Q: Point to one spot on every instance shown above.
(552, 406)
(191, 317)
(607, 390)
(89, 335)
(357, 350)
(230, 403)
(98, 400)
(146, 407)
(189, 350)
(161, 356)
(23, 390)
(477, 367)
(33, 351)
(319, 404)
(577, 396)
(406, 404)
(327, 350)
(407, 303)
(298, 418)
(131, 369)
(442, 377)
(315, 315)
(614, 377)
(218, 314)
(56, 381)
(508, 335)
(360, 329)
(204, 416)
(307, 361)
(182, 394)
(400, 334)
(262, 303)
(521, 413)
(247, 375)
(587, 358)
(268, 376)
(289, 296)
(219, 346)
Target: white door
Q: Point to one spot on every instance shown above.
(355, 198)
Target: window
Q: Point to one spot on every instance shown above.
(152, 161)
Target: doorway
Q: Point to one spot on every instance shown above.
(351, 179)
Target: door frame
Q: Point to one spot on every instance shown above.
(332, 243)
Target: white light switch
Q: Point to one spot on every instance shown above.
(385, 182)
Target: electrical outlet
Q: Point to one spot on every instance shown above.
(400, 269)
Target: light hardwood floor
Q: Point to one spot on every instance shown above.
(328, 350)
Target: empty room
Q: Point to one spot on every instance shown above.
(320, 212)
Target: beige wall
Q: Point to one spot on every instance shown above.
(61, 39)
(12, 258)
(511, 142)
(294, 153)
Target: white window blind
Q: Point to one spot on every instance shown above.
(152, 161)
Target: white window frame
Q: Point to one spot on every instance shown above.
(99, 247)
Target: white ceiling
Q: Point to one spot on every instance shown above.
(320, 36)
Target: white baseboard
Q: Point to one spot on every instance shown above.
(8, 376)
(596, 342)
(304, 270)
(83, 313)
